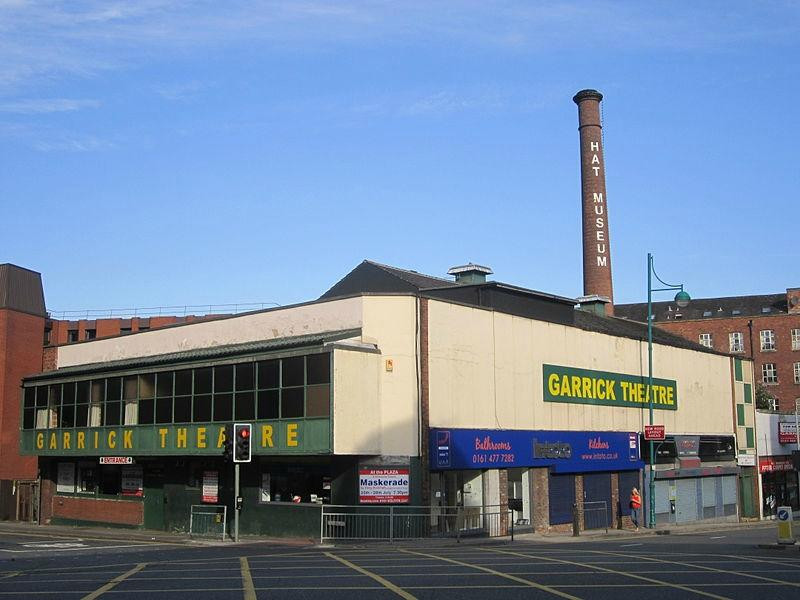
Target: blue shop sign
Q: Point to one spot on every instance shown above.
(564, 451)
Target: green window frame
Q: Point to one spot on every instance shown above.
(740, 415)
(751, 438)
(737, 368)
(748, 393)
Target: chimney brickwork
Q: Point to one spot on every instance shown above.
(596, 242)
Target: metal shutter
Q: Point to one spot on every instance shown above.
(561, 492)
(686, 501)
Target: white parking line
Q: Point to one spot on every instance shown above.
(84, 548)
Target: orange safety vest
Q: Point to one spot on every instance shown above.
(636, 500)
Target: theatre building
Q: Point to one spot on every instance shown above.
(468, 393)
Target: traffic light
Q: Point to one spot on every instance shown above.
(227, 444)
(241, 442)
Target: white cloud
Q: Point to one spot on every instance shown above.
(46, 105)
(42, 40)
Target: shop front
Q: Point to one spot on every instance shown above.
(539, 475)
(141, 448)
(696, 479)
(778, 484)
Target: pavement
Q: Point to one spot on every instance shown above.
(164, 537)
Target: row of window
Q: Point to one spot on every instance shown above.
(769, 372)
(286, 388)
(736, 340)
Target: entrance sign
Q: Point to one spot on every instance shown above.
(383, 486)
(585, 386)
(211, 486)
(564, 451)
(655, 433)
(116, 460)
(784, 517)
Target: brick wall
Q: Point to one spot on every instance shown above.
(20, 355)
(120, 512)
(783, 356)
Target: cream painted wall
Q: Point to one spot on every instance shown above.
(272, 324)
(486, 372)
(356, 402)
(391, 321)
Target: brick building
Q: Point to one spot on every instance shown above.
(765, 328)
(29, 339)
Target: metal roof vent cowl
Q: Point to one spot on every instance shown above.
(470, 273)
(594, 304)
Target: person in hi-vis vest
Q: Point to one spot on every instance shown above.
(636, 505)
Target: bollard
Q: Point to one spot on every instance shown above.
(576, 526)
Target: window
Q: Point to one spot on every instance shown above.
(736, 311)
(124, 329)
(47, 337)
(795, 339)
(282, 388)
(736, 341)
(767, 340)
(705, 340)
(769, 374)
(706, 313)
(797, 372)
(90, 334)
(766, 309)
(72, 335)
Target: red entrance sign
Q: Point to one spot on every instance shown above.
(654, 432)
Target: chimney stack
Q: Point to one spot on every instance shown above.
(596, 244)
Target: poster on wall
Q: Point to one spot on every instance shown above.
(265, 495)
(66, 478)
(787, 432)
(383, 486)
(132, 481)
(211, 486)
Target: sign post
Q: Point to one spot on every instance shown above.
(784, 517)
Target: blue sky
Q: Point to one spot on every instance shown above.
(169, 153)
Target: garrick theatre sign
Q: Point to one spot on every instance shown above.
(584, 386)
(306, 436)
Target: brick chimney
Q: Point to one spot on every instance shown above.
(793, 301)
(596, 243)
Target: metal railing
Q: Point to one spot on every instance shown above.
(393, 523)
(159, 311)
(595, 515)
(208, 520)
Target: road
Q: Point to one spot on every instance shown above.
(717, 564)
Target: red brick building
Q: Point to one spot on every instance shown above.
(765, 328)
(28, 338)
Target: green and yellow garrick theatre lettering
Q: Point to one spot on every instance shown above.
(584, 386)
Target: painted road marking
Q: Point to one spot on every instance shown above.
(55, 545)
(629, 545)
(699, 566)
(62, 549)
(615, 572)
(526, 582)
(384, 582)
(247, 580)
(102, 590)
(717, 537)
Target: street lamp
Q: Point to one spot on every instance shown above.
(682, 300)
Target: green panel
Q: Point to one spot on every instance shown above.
(584, 386)
(300, 436)
(751, 439)
(740, 414)
(748, 393)
(737, 367)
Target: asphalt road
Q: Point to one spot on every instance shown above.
(717, 564)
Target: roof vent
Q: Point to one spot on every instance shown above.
(470, 273)
(594, 304)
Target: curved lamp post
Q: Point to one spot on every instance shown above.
(682, 300)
